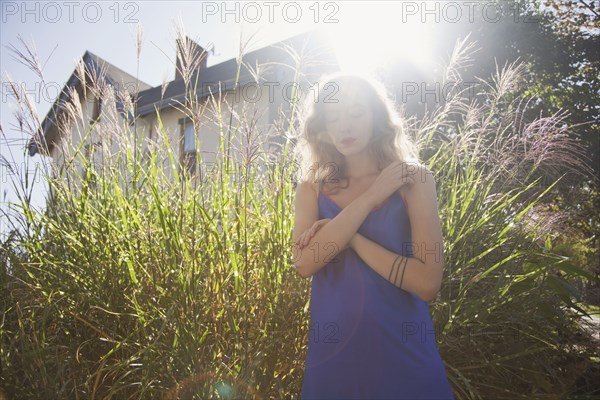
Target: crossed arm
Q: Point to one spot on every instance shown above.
(408, 273)
(422, 273)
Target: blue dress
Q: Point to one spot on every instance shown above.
(369, 339)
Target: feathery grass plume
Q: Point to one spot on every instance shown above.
(190, 59)
(138, 42)
(20, 177)
(163, 86)
(25, 113)
(82, 75)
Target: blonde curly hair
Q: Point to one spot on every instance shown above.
(320, 161)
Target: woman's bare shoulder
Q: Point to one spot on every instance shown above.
(421, 175)
(309, 185)
(312, 186)
(309, 180)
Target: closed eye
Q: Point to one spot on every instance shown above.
(357, 111)
(332, 116)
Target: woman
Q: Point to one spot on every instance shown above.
(373, 271)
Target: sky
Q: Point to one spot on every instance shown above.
(61, 32)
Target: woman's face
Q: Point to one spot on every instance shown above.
(348, 121)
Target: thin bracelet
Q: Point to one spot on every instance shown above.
(404, 269)
(392, 270)
(398, 270)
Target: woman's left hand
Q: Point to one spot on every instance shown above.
(308, 234)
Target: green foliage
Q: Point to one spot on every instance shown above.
(131, 292)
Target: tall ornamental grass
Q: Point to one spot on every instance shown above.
(138, 282)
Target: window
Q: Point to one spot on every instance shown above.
(189, 143)
(189, 147)
(96, 111)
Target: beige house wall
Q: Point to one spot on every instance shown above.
(248, 126)
(244, 117)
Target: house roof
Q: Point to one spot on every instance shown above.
(96, 67)
(224, 73)
(150, 98)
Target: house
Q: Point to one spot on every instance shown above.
(127, 109)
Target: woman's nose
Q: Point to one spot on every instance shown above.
(344, 122)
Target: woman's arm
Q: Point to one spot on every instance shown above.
(331, 238)
(407, 273)
(422, 273)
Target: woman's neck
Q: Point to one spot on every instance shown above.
(360, 166)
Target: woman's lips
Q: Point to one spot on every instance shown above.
(348, 141)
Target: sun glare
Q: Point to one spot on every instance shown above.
(367, 37)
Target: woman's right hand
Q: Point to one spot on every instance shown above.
(391, 179)
(304, 239)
